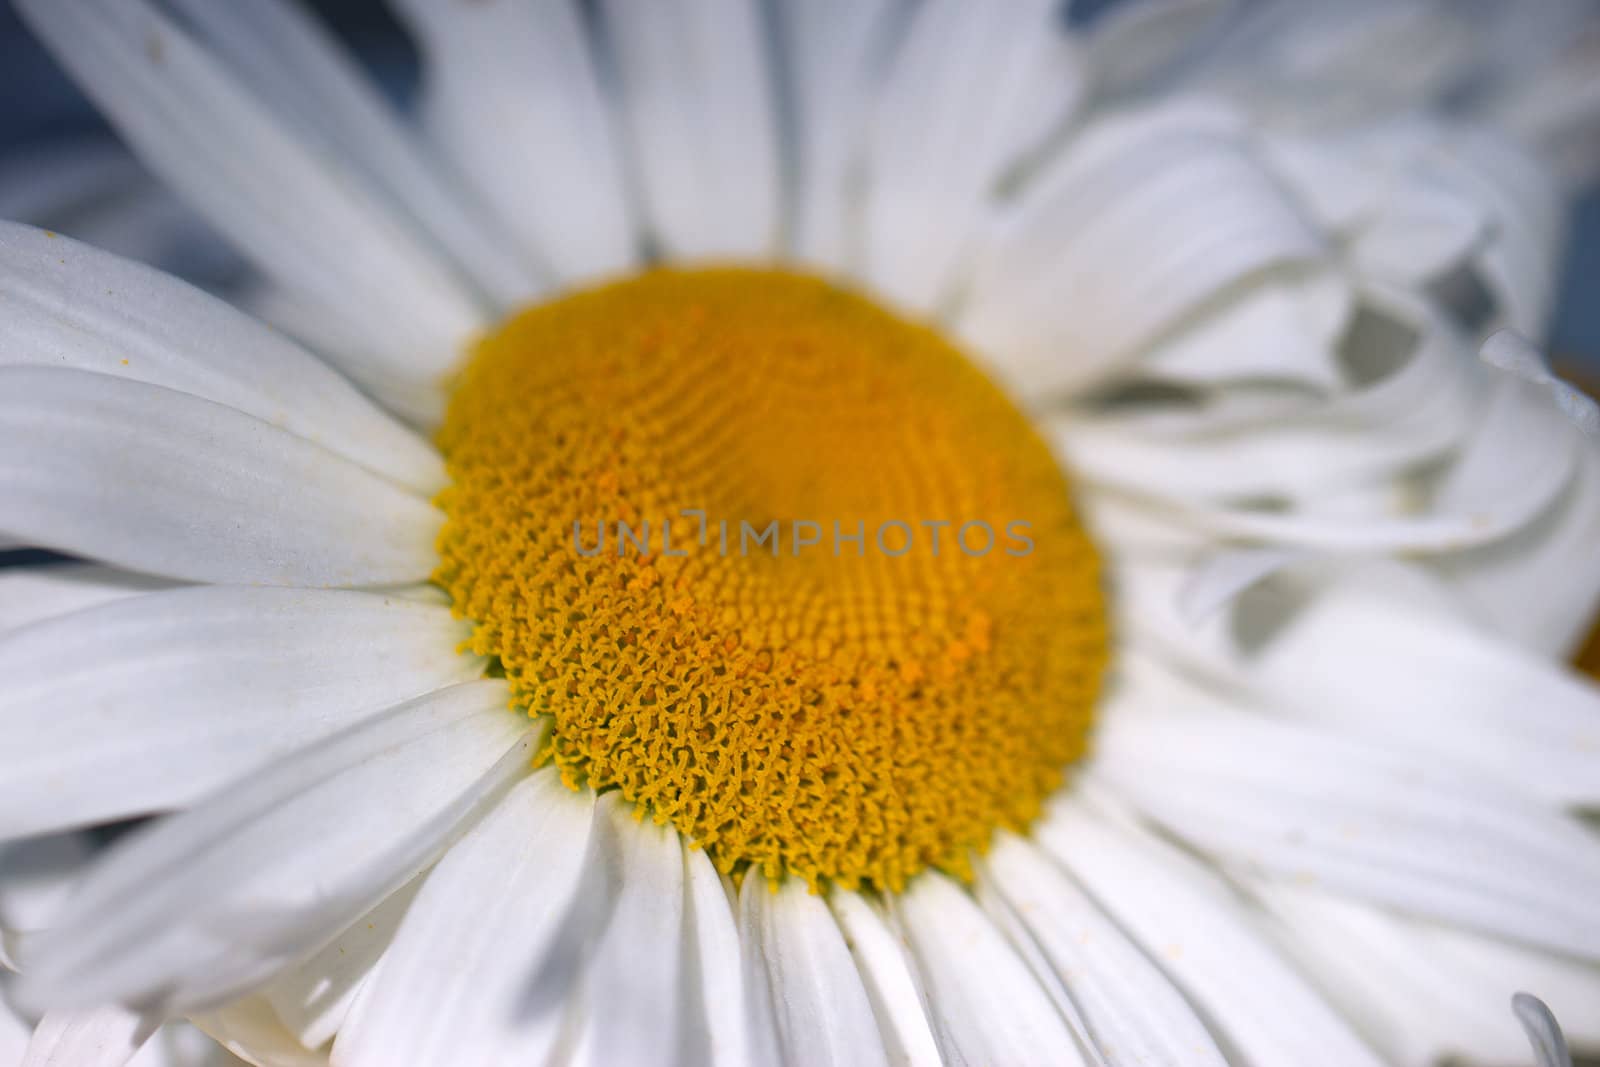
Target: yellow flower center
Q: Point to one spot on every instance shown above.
(785, 569)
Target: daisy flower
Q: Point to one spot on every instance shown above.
(824, 532)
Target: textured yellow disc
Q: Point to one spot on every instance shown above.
(877, 636)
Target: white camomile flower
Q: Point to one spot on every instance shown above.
(1071, 590)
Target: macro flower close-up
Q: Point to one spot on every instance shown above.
(803, 533)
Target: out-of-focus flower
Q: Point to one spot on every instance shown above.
(1233, 719)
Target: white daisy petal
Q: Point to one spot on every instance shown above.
(1572, 988)
(1387, 534)
(1525, 451)
(943, 132)
(1365, 661)
(1083, 229)
(1421, 1010)
(313, 998)
(1006, 920)
(1420, 232)
(1521, 262)
(1160, 586)
(984, 1004)
(1288, 331)
(1327, 66)
(512, 97)
(293, 64)
(15, 1033)
(1055, 94)
(1130, 42)
(160, 481)
(251, 1029)
(420, 400)
(506, 907)
(30, 594)
(1459, 212)
(1518, 462)
(181, 1044)
(14, 946)
(209, 903)
(308, 219)
(1420, 405)
(716, 1026)
(1538, 587)
(102, 1037)
(1555, 105)
(101, 707)
(1332, 176)
(1520, 439)
(1225, 577)
(1544, 1033)
(1516, 355)
(68, 305)
(698, 105)
(801, 981)
(1203, 937)
(1133, 1013)
(36, 875)
(832, 50)
(1276, 798)
(890, 982)
(637, 956)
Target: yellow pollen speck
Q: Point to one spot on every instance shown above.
(839, 700)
